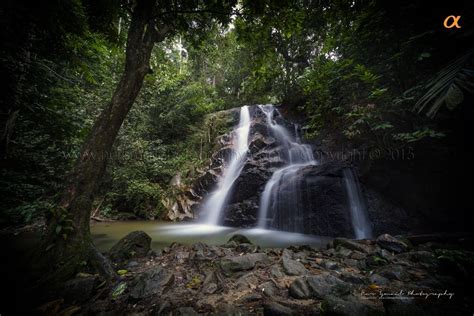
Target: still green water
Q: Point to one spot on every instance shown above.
(106, 234)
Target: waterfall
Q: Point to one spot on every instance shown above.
(214, 205)
(360, 220)
(297, 156)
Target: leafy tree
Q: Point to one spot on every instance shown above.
(150, 23)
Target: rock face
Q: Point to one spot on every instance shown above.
(322, 191)
(183, 200)
(323, 206)
(135, 244)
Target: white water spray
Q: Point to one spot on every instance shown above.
(215, 203)
(360, 220)
(298, 156)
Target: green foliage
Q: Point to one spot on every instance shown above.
(448, 85)
(418, 135)
(119, 290)
(63, 224)
(27, 212)
(350, 68)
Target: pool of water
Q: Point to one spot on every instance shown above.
(106, 234)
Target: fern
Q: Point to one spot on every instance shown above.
(447, 87)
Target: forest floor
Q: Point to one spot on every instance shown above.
(387, 275)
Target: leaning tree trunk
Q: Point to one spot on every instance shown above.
(68, 243)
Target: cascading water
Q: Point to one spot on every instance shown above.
(360, 220)
(272, 206)
(214, 205)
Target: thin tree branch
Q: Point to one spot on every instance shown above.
(237, 13)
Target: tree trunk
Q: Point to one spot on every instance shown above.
(67, 242)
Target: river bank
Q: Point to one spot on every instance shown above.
(387, 275)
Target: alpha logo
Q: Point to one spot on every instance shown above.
(453, 20)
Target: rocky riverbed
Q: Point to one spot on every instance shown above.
(384, 276)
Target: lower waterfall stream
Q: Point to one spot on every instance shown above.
(296, 155)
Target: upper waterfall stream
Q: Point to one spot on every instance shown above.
(215, 203)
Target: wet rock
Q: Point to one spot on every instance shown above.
(268, 289)
(250, 181)
(259, 142)
(317, 286)
(210, 288)
(199, 246)
(357, 255)
(299, 289)
(218, 251)
(351, 262)
(393, 272)
(132, 264)
(351, 244)
(247, 281)
(343, 252)
(385, 254)
(182, 256)
(242, 214)
(378, 279)
(375, 261)
(287, 253)
(206, 182)
(323, 284)
(391, 243)
(323, 205)
(240, 239)
(246, 248)
(162, 308)
(352, 278)
(330, 265)
(135, 244)
(293, 267)
(242, 263)
(275, 309)
(209, 285)
(249, 298)
(231, 244)
(276, 272)
(152, 282)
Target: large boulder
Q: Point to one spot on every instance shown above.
(293, 267)
(242, 263)
(151, 283)
(351, 244)
(391, 243)
(135, 244)
(316, 286)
